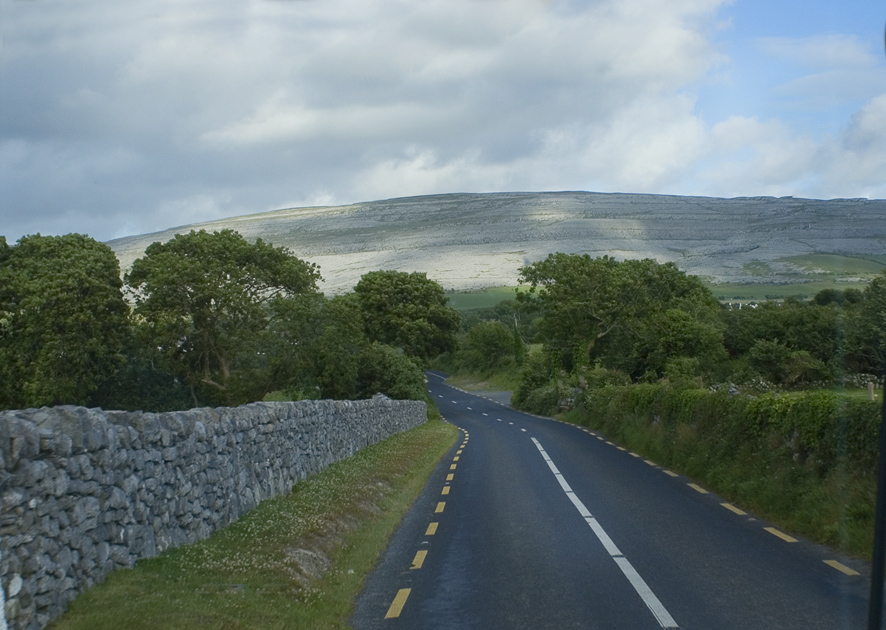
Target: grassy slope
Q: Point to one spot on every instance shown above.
(297, 561)
(481, 298)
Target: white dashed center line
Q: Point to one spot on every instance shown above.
(652, 602)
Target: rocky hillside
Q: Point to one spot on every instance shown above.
(475, 240)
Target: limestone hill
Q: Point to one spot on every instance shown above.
(467, 241)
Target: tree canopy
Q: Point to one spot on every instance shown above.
(408, 311)
(632, 313)
(63, 320)
(204, 298)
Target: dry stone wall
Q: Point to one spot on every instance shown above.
(86, 491)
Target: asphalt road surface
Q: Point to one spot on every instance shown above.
(533, 523)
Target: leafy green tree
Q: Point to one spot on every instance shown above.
(205, 298)
(867, 333)
(63, 320)
(817, 329)
(408, 311)
(385, 370)
(597, 308)
(769, 359)
(142, 384)
(319, 344)
(673, 333)
(535, 374)
(486, 346)
(828, 297)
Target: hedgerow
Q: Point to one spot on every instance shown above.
(806, 460)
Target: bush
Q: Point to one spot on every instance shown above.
(544, 400)
(535, 373)
(385, 370)
(487, 346)
(599, 376)
(807, 460)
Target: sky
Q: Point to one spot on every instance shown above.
(120, 118)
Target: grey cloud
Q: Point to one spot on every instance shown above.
(135, 116)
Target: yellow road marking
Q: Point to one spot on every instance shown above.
(458, 452)
(449, 477)
(455, 459)
(671, 473)
(732, 508)
(445, 489)
(697, 488)
(781, 535)
(419, 559)
(398, 603)
(452, 467)
(839, 566)
(432, 529)
(440, 506)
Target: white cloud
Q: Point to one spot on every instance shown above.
(136, 115)
(854, 162)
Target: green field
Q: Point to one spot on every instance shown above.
(839, 265)
(482, 298)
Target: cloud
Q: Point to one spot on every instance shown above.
(139, 115)
(855, 161)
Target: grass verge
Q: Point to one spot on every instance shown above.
(297, 561)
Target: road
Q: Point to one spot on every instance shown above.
(533, 523)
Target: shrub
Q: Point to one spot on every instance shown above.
(385, 370)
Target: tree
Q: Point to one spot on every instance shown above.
(205, 298)
(63, 320)
(319, 344)
(674, 333)
(598, 308)
(867, 334)
(408, 311)
(488, 345)
(385, 370)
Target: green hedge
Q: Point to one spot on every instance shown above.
(820, 429)
(805, 460)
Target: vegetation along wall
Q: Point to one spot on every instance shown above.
(85, 491)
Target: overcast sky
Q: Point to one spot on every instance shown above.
(128, 117)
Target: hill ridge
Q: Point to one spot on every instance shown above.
(474, 240)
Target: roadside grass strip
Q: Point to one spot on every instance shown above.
(296, 561)
(652, 602)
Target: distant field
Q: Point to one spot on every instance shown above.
(482, 298)
(805, 290)
(840, 265)
(725, 292)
